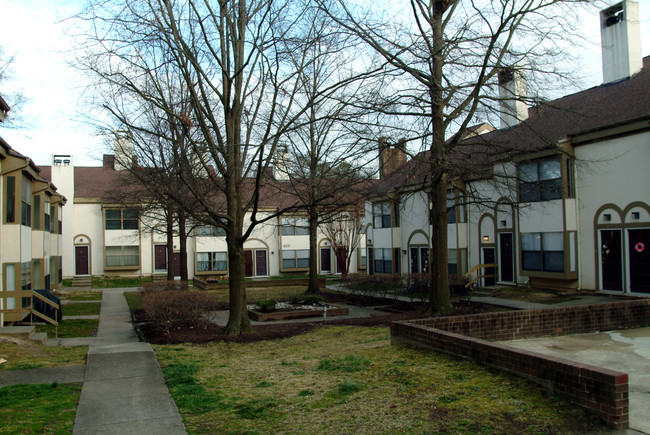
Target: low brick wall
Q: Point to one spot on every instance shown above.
(203, 285)
(602, 391)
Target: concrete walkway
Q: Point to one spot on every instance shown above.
(123, 390)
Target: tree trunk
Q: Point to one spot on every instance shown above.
(439, 298)
(238, 321)
(313, 288)
(170, 243)
(182, 237)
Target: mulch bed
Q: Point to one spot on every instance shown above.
(205, 331)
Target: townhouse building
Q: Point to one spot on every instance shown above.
(564, 203)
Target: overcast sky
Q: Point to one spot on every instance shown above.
(33, 33)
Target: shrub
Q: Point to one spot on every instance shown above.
(167, 307)
(266, 306)
(375, 285)
(307, 299)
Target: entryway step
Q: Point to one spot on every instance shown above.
(81, 281)
(24, 333)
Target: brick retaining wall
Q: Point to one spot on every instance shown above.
(602, 391)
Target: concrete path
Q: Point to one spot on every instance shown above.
(123, 391)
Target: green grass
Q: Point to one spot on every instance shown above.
(81, 309)
(351, 380)
(118, 281)
(44, 408)
(79, 295)
(134, 300)
(71, 328)
(23, 354)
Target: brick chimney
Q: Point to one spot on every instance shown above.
(391, 157)
(109, 161)
(512, 93)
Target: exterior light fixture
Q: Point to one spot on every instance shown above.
(503, 223)
(486, 238)
(636, 215)
(607, 217)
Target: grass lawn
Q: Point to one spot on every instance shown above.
(256, 294)
(24, 354)
(134, 300)
(79, 295)
(81, 309)
(351, 380)
(71, 328)
(44, 408)
(118, 281)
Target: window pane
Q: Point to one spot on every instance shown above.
(554, 261)
(131, 255)
(289, 264)
(528, 172)
(385, 208)
(302, 226)
(130, 214)
(531, 260)
(286, 254)
(551, 189)
(220, 260)
(553, 242)
(113, 256)
(549, 169)
(385, 221)
(203, 230)
(11, 199)
(379, 254)
(531, 242)
(113, 214)
(218, 232)
(203, 261)
(302, 253)
(288, 226)
(528, 192)
(377, 222)
(379, 266)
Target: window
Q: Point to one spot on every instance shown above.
(383, 261)
(122, 256)
(26, 276)
(295, 226)
(212, 261)
(381, 212)
(52, 219)
(59, 221)
(26, 204)
(451, 208)
(540, 180)
(47, 210)
(295, 259)
(37, 212)
(121, 219)
(542, 252)
(210, 231)
(10, 198)
(364, 257)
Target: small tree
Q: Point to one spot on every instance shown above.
(345, 231)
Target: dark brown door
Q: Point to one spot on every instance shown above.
(639, 249)
(506, 266)
(177, 264)
(260, 263)
(160, 257)
(611, 260)
(248, 259)
(488, 258)
(325, 260)
(81, 260)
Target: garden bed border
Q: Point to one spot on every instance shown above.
(601, 391)
(204, 285)
(332, 310)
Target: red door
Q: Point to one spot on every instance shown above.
(177, 264)
(325, 260)
(81, 260)
(160, 257)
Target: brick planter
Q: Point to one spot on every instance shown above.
(204, 285)
(298, 314)
(601, 391)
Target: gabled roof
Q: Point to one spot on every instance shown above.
(609, 104)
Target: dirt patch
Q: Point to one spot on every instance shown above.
(533, 295)
(205, 331)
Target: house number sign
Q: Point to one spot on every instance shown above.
(640, 247)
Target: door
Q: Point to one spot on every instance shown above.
(248, 260)
(424, 260)
(488, 258)
(325, 260)
(81, 263)
(639, 255)
(611, 260)
(415, 260)
(260, 263)
(370, 258)
(506, 259)
(160, 257)
(177, 264)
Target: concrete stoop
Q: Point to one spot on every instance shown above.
(24, 333)
(81, 281)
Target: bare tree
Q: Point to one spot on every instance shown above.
(14, 100)
(447, 56)
(219, 69)
(327, 151)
